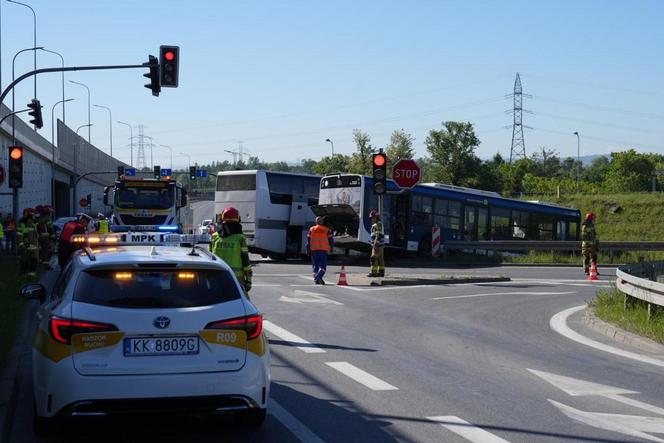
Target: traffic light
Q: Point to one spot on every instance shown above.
(36, 113)
(157, 172)
(153, 75)
(192, 172)
(89, 199)
(169, 62)
(379, 173)
(15, 167)
(121, 171)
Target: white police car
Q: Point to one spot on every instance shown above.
(147, 328)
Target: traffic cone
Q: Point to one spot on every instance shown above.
(593, 271)
(342, 277)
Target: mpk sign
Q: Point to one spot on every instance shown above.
(406, 173)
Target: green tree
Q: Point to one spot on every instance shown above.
(596, 172)
(630, 171)
(399, 147)
(360, 161)
(332, 164)
(452, 151)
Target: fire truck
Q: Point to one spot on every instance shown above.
(141, 204)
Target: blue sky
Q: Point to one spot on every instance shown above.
(282, 76)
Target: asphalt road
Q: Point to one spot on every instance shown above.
(473, 362)
(202, 210)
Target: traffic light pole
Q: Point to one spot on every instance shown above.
(35, 72)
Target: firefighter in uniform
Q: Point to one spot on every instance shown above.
(46, 234)
(28, 245)
(589, 242)
(319, 244)
(230, 245)
(377, 253)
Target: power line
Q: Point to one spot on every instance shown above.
(600, 108)
(596, 123)
(617, 142)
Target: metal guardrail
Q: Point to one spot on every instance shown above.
(644, 281)
(534, 245)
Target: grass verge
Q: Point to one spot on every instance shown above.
(11, 306)
(609, 306)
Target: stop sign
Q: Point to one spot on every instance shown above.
(406, 173)
(83, 202)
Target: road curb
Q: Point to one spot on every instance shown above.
(8, 382)
(621, 335)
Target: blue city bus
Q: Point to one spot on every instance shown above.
(461, 213)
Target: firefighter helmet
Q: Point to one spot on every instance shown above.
(374, 214)
(230, 214)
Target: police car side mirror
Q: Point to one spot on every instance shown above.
(33, 291)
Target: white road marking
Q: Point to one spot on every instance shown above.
(291, 338)
(634, 425)
(295, 426)
(559, 324)
(308, 297)
(385, 288)
(264, 285)
(360, 376)
(579, 388)
(466, 430)
(503, 293)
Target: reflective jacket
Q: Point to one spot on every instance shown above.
(103, 227)
(233, 250)
(320, 238)
(2, 232)
(377, 236)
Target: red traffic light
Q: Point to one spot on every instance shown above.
(379, 160)
(170, 55)
(16, 153)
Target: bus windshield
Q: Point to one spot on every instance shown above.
(341, 190)
(236, 182)
(145, 197)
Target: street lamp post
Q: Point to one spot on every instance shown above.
(53, 149)
(76, 148)
(110, 123)
(578, 160)
(131, 143)
(34, 38)
(86, 87)
(171, 150)
(62, 59)
(332, 143)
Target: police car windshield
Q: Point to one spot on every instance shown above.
(156, 288)
(144, 197)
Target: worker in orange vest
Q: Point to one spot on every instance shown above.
(319, 244)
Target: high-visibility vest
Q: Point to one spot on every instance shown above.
(103, 226)
(319, 238)
(588, 234)
(2, 232)
(230, 250)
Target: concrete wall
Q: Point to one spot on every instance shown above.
(38, 173)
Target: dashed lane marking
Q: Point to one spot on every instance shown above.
(264, 285)
(291, 338)
(467, 430)
(360, 376)
(504, 293)
(295, 426)
(559, 324)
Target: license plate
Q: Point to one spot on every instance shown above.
(146, 346)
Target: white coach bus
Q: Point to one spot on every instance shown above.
(275, 208)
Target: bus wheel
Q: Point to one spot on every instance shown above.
(424, 248)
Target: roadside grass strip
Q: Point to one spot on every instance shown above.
(295, 426)
(362, 377)
(610, 307)
(466, 430)
(291, 338)
(559, 324)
